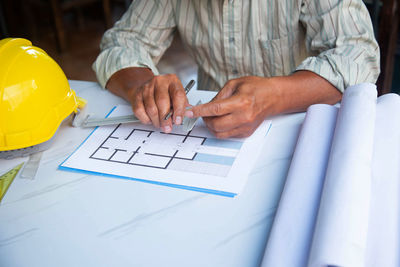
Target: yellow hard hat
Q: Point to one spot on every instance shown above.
(35, 96)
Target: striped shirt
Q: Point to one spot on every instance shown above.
(234, 38)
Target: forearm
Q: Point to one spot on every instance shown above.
(298, 91)
(340, 35)
(125, 81)
(138, 39)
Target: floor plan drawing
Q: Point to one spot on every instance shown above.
(142, 145)
(194, 159)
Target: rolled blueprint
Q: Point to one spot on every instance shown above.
(290, 238)
(384, 225)
(340, 235)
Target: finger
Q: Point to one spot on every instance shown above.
(139, 110)
(215, 108)
(166, 125)
(239, 132)
(223, 123)
(150, 105)
(163, 103)
(179, 102)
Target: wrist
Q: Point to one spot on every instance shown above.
(301, 89)
(275, 95)
(126, 81)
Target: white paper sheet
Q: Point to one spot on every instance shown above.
(195, 160)
(340, 235)
(290, 238)
(383, 247)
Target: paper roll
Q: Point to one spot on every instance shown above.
(290, 238)
(384, 221)
(340, 235)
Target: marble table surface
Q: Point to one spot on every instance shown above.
(71, 219)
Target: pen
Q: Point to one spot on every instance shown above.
(187, 89)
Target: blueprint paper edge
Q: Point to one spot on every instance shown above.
(108, 114)
(197, 189)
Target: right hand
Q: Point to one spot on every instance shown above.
(152, 101)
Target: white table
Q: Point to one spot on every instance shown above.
(72, 219)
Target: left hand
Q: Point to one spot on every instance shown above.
(239, 108)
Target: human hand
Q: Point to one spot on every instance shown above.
(239, 108)
(152, 101)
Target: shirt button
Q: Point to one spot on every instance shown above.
(231, 39)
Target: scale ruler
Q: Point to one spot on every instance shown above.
(188, 123)
(109, 121)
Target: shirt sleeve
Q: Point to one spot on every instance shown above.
(138, 39)
(340, 37)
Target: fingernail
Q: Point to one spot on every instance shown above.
(189, 114)
(178, 120)
(167, 129)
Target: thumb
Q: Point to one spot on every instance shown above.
(220, 105)
(226, 91)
